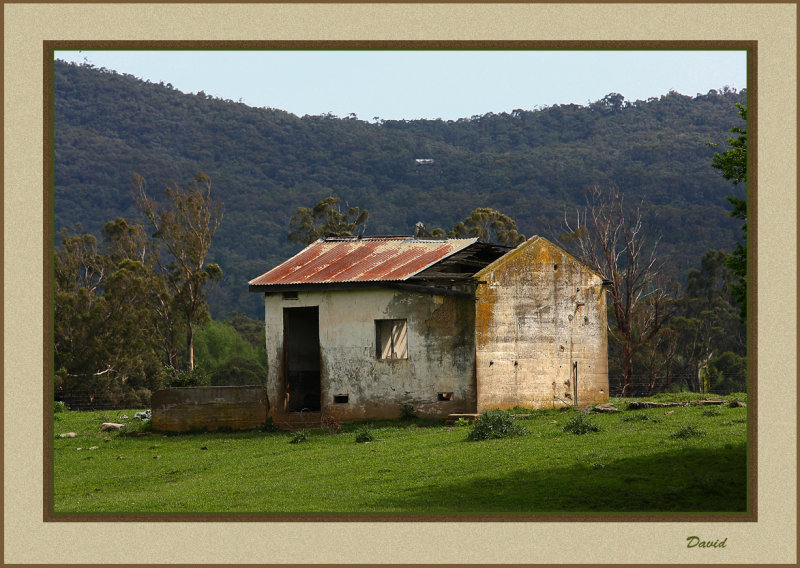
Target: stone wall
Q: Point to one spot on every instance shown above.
(209, 408)
(540, 320)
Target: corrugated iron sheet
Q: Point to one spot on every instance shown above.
(361, 260)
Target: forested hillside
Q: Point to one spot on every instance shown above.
(265, 163)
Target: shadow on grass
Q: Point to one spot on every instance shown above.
(679, 480)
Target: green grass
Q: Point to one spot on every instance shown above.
(631, 465)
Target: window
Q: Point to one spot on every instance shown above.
(391, 339)
(290, 295)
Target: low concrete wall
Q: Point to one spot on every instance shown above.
(209, 408)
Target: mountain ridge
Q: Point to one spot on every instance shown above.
(532, 165)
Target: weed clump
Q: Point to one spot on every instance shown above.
(711, 412)
(686, 432)
(330, 425)
(407, 413)
(59, 406)
(495, 424)
(365, 434)
(269, 425)
(299, 436)
(580, 424)
(461, 422)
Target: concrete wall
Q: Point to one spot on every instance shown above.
(538, 313)
(209, 408)
(441, 353)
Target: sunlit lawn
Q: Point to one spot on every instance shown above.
(631, 465)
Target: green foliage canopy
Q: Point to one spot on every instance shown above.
(732, 164)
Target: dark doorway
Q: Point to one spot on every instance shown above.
(301, 354)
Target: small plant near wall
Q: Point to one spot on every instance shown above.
(580, 424)
(686, 432)
(269, 425)
(495, 424)
(299, 436)
(365, 434)
(407, 413)
(330, 425)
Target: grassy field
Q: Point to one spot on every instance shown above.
(633, 464)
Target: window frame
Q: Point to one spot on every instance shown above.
(388, 324)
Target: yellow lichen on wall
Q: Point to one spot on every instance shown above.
(485, 300)
(540, 322)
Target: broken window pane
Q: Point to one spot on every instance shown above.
(392, 342)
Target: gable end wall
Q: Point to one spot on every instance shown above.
(538, 313)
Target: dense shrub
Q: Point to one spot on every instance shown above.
(59, 406)
(495, 424)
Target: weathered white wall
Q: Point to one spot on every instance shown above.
(441, 352)
(538, 312)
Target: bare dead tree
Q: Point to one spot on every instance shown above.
(613, 240)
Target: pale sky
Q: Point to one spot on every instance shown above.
(425, 84)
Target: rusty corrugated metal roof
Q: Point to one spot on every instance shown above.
(368, 259)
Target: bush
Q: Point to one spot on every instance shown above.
(580, 424)
(59, 406)
(461, 422)
(686, 432)
(299, 436)
(365, 434)
(495, 424)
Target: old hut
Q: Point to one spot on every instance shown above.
(359, 327)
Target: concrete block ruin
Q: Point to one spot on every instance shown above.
(209, 408)
(359, 327)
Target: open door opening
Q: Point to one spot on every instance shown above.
(302, 359)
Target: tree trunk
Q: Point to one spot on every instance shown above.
(627, 370)
(190, 347)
